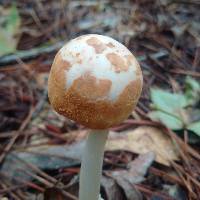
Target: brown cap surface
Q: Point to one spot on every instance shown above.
(95, 81)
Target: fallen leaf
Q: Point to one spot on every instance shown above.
(137, 169)
(195, 127)
(135, 174)
(170, 121)
(143, 140)
(111, 189)
(168, 108)
(168, 102)
(192, 90)
(129, 190)
(177, 111)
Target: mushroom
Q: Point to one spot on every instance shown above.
(95, 81)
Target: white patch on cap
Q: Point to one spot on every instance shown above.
(98, 65)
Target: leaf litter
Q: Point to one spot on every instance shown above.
(28, 124)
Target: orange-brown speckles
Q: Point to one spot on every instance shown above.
(118, 62)
(110, 44)
(130, 59)
(58, 61)
(138, 72)
(96, 44)
(89, 86)
(132, 91)
(58, 69)
(87, 100)
(99, 114)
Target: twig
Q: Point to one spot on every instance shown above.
(11, 193)
(14, 138)
(149, 192)
(29, 54)
(12, 188)
(23, 182)
(185, 72)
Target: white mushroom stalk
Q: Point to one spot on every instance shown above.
(91, 165)
(95, 81)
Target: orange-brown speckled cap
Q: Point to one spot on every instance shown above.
(95, 81)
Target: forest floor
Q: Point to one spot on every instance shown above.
(155, 154)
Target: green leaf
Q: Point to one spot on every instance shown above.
(192, 84)
(192, 92)
(10, 22)
(170, 121)
(195, 127)
(173, 109)
(167, 101)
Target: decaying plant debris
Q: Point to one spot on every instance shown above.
(165, 37)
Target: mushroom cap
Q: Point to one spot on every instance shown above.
(95, 81)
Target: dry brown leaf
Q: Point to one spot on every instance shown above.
(143, 140)
(135, 174)
(111, 189)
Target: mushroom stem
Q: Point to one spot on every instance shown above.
(91, 165)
